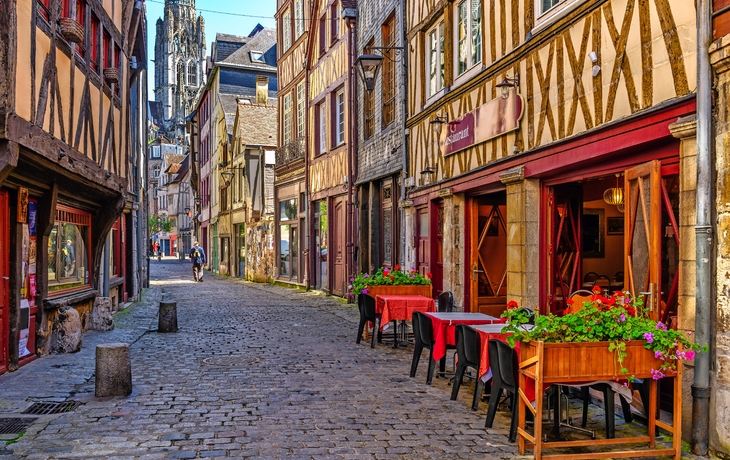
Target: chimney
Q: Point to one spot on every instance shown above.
(262, 90)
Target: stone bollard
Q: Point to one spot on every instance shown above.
(167, 321)
(113, 370)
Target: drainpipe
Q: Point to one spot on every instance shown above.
(350, 226)
(105, 270)
(404, 141)
(703, 232)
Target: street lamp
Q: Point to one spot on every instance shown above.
(227, 177)
(368, 66)
(437, 122)
(508, 83)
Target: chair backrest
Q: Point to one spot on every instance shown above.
(502, 360)
(530, 315)
(590, 277)
(618, 277)
(579, 298)
(446, 301)
(368, 307)
(416, 324)
(602, 277)
(425, 327)
(468, 345)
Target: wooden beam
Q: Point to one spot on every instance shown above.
(9, 153)
(101, 223)
(8, 53)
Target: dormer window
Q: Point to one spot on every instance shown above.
(257, 56)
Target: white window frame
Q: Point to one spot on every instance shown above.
(286, 30)
(553, 14)
(435, 52)
(322, 122)
(340, 117)
(298, 18)
(287, 118)
(301, 110)
(473, 56)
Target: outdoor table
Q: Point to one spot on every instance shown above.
(444, 328)
(401, 307)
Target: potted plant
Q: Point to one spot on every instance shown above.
(395, 281)
(111, 74)
(71, 30)
(617, 325)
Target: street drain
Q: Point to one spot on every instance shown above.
(15, 425)
(230, 360)
(52, 408)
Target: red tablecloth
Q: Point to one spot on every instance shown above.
(401, 307)
(444, 330)
(484, 368)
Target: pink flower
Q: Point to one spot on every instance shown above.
(690, 354)
(656, 374)
(365, 291)
(649, 337)
(657, 354)
(661, 326)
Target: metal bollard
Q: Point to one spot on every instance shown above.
(167, 318)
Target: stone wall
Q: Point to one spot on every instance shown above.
(260, 251)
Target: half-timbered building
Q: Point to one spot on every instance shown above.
(330, 150)
(71, 146)
(551, 148)
(290, 189)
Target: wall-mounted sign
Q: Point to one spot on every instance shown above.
(496, 117)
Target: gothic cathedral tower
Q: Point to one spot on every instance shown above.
(179, 63)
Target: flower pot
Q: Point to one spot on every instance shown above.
(111, 74)
(405, 289)
(71, 30)
(587, 361)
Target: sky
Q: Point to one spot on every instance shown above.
(235, 17)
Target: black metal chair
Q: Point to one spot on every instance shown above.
(468, 349)
(590, 277)
(608, 281)
(366, 305)
(503, 362)
(423, 335)
(530, 313)
(445, 302)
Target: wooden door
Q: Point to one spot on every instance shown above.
(564, 218)
(643, 233)
(338, 247)
(423, 252)
(438, 252)
(488, 257)
(4, 281)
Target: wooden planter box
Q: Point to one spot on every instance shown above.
(584, 362)
(424, 290)
(579, 363)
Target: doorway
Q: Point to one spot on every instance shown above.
(321, 228)
(4, 280)
(488, 254)
(339, 248)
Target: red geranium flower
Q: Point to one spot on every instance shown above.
(397, 267)
(512, 304)
(570, 301)
(392, 277)
(596, 289)
(429, 275)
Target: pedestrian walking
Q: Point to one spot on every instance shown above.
(197, 255)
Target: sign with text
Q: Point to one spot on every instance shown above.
(496, 117)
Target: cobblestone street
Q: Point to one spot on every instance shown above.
(254, 371)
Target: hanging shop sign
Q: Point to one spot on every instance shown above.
(495, 118)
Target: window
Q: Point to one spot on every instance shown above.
(322, 34)
(192, 74)
(388, 87)
(94, 43)
(106, 45)
(65, 9)
(321, 115)
(298, 18)
(547, 4)
(468, 35)
(334, 21)
(67, 252)
(288, 209)
(155, 172)
(369, 108)
(44, 7)
(340, 117)
(180, 72)
(257, 56)
(284, 261)
(287, 119)
(436, 59)
(81, 18)
(286, 30)
(117, 54)
(155, 151)
(301, 110)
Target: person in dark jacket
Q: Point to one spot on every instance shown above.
(197, 256)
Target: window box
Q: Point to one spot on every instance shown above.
(111, 74)
(71, 30)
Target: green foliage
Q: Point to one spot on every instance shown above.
(158, 223)
(386, 277)
(617, 319)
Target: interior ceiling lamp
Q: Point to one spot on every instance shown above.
(614, 195)
(368, 66)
